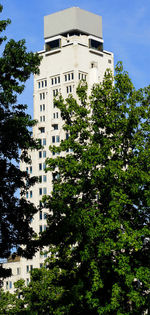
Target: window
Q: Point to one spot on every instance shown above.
(44, 154)
(30, 193)
(10, 284)
(44, 166)
(27, 281)
(42, 83)
(44, 178)
(40, 166)
(43, 107)
(69, 76)
(58, 79)
(67, 136)
(40, 179)
(6, 285)
(56, 115)
(43, 96)
(40, 154)
(18, 271)
(43, 118)
(94, 44)
(40, 215)
(42, 129)
(31, 267)
(55, 126)
(52, 81)
(27, 169)
(44, 190)
(57, 139)
(53, 139)
(40, 108)
(27, 268)
(40, 96)
(40, 191)
(40, 228)
(40, 118)
(39, 85)
(45, 82)
(30, 169)
(44, 141)
(27, 194)
(44, 227)
(45, 215)
(69, 89)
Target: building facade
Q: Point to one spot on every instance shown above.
(73, 51)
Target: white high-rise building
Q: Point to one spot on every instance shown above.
(73, 51)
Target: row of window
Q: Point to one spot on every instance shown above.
(43, 179)
(42, 191)
(29, 170)
(69, 76)
(29, 194)
(42, 118)
(42, 166)
(42, 215)
(42, 228)
(55, 80)
(69, 89)
(42, 84)
(55, 115)
(42, 154)
(42, 108)
(55, 139)
(42, 141)
(82, 76)
(42, 96)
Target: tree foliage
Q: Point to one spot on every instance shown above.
(100, 206)
(16, 66)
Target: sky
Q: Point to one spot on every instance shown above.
(126, 31)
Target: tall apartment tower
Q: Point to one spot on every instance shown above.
(73, 51)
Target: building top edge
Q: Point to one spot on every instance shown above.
(72, 19)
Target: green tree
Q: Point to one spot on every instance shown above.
(100, 206)
(16, 66)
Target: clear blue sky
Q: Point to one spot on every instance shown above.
(126, 31)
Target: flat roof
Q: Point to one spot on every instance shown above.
(72, 19)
